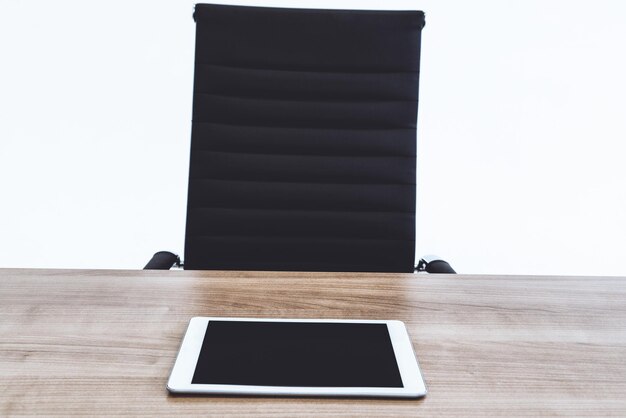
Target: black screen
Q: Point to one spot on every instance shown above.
(297, 354)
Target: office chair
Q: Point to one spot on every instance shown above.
(303, 147)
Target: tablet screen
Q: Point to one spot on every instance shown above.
(313, 354)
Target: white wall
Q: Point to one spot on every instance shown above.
(521, 132)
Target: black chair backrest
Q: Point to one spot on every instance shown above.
(304, 139)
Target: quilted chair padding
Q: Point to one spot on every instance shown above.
(303, 147)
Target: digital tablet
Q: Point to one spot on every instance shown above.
(297, 357)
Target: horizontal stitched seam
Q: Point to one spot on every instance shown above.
(198, 148)
(302, 182)
(267, 99)
(286, 238)
(230, 125)
(287, 155)
(301, 210)
(395, 128)
(227, 263)
(312, 100)
(242, 67)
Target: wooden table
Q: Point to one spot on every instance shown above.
(83, 342)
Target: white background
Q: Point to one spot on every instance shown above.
(522, 128)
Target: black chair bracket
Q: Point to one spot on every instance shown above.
(434, 264)
(163, 260)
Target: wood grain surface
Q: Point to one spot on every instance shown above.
(87, 342)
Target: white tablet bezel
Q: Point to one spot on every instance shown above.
(185, 365)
